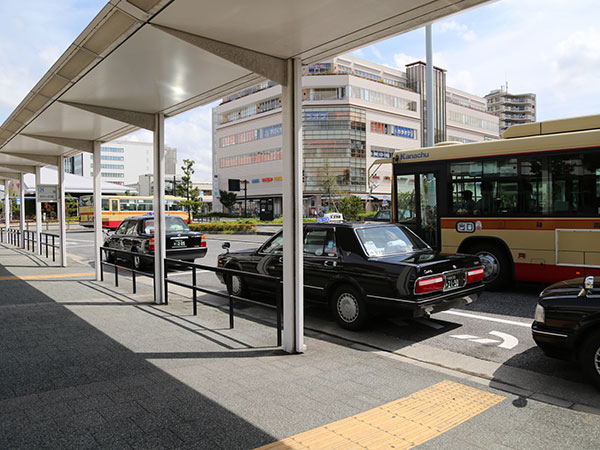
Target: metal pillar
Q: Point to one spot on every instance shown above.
(98, 241)
(6, 204)
(22, 208)
(38, 209)
(62, 217)
(159, 209)
(429, 88)
(293, 260)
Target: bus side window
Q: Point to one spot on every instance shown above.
(105, 204)
(115, 205)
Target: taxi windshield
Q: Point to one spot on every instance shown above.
(174, 225)
(389, 240)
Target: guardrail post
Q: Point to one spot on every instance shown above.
(166, 270)
(53, 249)
(195, 294)
(116, 270)
(101, 265)
(133, 272)
(278, 302)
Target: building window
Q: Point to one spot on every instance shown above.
(250, 158)
(112, 149)
(112, 175)
(251, 135)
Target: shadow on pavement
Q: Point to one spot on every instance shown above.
(65, 384)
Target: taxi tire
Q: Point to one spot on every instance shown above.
(138, 263)
(499, 255)
(589, 358)
(241, 291)
(347, 298)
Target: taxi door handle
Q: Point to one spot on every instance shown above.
(330, 263)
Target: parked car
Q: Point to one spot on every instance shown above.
(363, 268)
(567, 323)
(136, 234)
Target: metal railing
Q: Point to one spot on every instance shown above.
(195, 288)
(110, 256)
(27, 240)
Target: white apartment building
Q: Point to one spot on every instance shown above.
(354, 112)
(512, 109)
(122, 162)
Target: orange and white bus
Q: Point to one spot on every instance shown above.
(528, 204)
(118, 207)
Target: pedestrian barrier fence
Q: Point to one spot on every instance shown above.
(227, 275)
(27, 240)
(111, 256)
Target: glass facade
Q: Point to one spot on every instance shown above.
(334, 148)
(250, 135)
(250, 158)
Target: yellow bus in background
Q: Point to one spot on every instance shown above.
(115, 208)
(528, 204)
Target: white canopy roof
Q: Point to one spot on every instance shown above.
(160, 56)
(74, 184)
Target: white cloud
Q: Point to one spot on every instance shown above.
(462, 30)
(402, 59)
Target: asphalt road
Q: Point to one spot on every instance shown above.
(495, 328)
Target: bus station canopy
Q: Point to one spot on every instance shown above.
(142, 57)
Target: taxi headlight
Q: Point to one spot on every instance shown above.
(540, 314)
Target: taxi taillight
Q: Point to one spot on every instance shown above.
(151, 244)
(203, 241)
(475, 275)
(430, 284)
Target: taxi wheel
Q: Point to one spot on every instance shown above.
(137, 260)
(108, 257)
(589, 358)
(349, 308)
(236, 285)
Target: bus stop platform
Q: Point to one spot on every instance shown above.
(87, 365)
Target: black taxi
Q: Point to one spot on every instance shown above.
(136, 234)
(567, 323)
(362, 268)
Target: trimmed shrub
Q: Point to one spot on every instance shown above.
(222, 227)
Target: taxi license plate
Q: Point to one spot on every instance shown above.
(451, 282)
(178, 243)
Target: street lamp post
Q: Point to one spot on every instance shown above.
(245, 196)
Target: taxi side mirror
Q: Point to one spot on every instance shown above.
(226, 246)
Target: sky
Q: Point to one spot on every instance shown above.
(548, 47)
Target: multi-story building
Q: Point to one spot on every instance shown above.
(512, 109)
(354, 112)
(122, 162)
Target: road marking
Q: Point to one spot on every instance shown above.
(489, 319)
(45, 277)
(404, 423)
(507, 341)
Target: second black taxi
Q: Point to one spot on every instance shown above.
(136, 234)
(360, 269)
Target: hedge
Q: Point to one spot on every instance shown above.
(223, 227)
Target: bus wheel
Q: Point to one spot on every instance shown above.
(496, 264)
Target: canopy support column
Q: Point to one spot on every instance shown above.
(62, 217)
(38, 209)
(97, 192)
(22, 208)
(293, 259)
(160, 251)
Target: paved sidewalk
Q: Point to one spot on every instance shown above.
(87, 365)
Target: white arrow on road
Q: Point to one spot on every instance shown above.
(507, 341)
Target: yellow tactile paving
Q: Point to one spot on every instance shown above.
(46, 277)
(401, 424)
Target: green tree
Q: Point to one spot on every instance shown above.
(71, 206)
(192, 202)
(330, 187)
(351, 206)
(227, 199)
